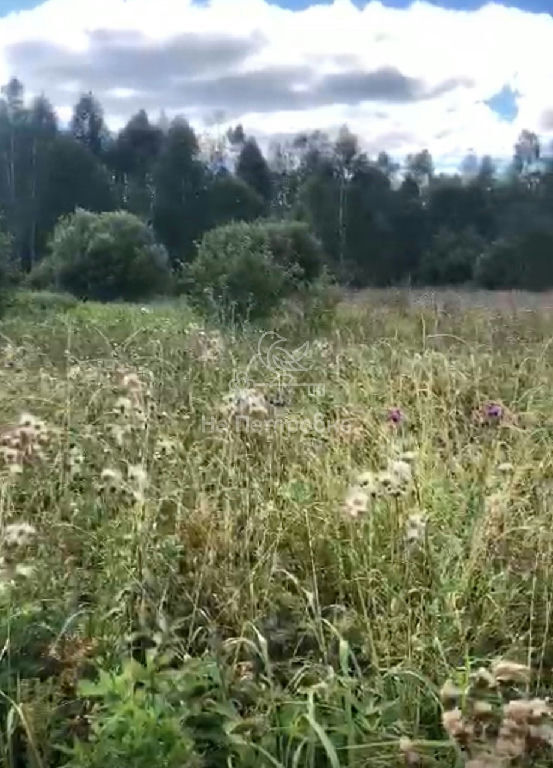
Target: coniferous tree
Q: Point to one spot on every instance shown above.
(74, 178)
(132, 158)
(87, 124)
(180, 211)
(253, 169)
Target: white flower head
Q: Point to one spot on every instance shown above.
(24, 570)
(123, 406)
(246, 403)
(11, 456)
(165, 446)
(389, 484)
(112, 480)
(28, 420)
(402, 471)
(17, 536)
(137, 476)
(131, 381)
(415, 529)
(368, 482)
(356, 502)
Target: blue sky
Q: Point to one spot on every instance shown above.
(15, 5)
(536, 6)
(402, 76)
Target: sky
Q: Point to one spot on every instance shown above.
(453, 76)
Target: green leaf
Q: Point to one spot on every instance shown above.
(325, 741)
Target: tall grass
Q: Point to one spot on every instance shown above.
(266, 625)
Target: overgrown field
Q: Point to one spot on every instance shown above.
(285, 578)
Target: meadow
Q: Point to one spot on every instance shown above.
(202, 568)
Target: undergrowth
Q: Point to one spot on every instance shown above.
(203, 564)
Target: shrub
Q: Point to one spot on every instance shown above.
(524, 262)
(250, 268)
(104, 256)
(320, 300)
(132, 726)
(43, 276)
(292, 244)
(234, 269)
(451, 258)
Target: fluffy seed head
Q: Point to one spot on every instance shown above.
(28, 420)
(131, 382)
(123, 406)
(401, 470)
(449, 693)
(482, 710)
(368, 482)
(483, 678)
(356, 502)
(11, 456)
(407, 749)
(485, 760)
(389, 484)
(454, 724)
(112, 480)
(137, 476)
(510, 671)
(415, 529)
(247, 403)
(524, 711)
(164, 447)
(17, 536)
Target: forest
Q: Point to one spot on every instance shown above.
(377, 221)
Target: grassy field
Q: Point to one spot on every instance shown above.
(287, 577)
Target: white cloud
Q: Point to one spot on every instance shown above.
(427, 71)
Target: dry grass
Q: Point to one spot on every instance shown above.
(453, 298)
(325, 559)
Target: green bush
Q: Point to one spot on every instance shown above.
(451, 258)
(249, 268)
(104, 256)
(134, 724)
(523, 262)
(43, 276)
(293, 245)
(320, 300)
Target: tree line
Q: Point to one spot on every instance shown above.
(378, 222)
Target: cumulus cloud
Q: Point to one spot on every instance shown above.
(128, 59)
(402, 79)
(546, 122)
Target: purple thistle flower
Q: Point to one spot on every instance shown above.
(493, 411)
(395, 415)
